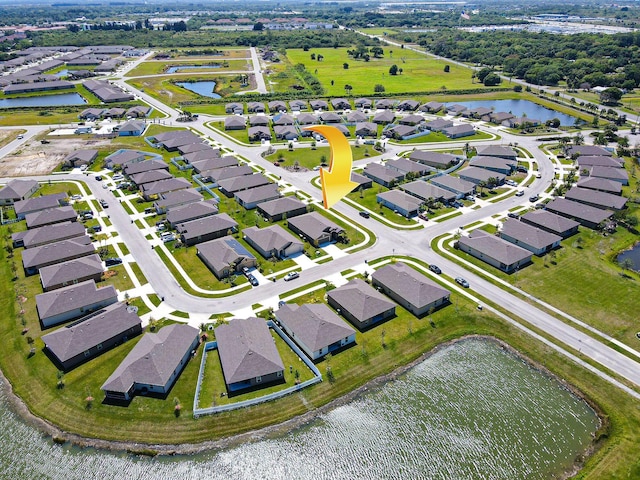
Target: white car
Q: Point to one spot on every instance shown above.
(291, 276)
(117, 176)
(538, 175)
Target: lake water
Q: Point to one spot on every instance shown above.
(43, 101)
(62, 73)
(522, 107)
(471, 411)
(204, 88)
(632, 254)
(179, 68)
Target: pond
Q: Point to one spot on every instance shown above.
(470, 411)
(522, 107)
(62, 73)
(633, 255)
(43, 101)
(179, 68)
(204, 88)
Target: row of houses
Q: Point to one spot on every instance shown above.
(487, 114)
(279, 106)
(95, 113)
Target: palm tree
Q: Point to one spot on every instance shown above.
(481, 185)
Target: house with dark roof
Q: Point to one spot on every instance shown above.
(307, 119)
(362, 181)
(361, 304)
(122, 158)
(495, 164)
(92, 335)
(132, 128)
(16, 190)
(534, 239)
(232, 185)
(405, 166)
(315, 228)
(610, 173)
(277, 106)
(35, 204)
(590, 150)
(601, 184)
(200, 155)
(551, 222)
(499, 151)
(476, 112)
(439, 124)
(48, 234)
(385, 104)
(283, 119)
(498, 117)
(139, 111)
(106, 92)
(248, 354)
(363, 103)
(191, 211)
(477, 175)
(150, 176)
(80, 157)
(410, 288)
(206, 228)
(115, 112)
(586, 215)
(178, 198)
(596, 198)
(224, 256)
(235, 123)
(456, 109)
(74, 301)
(424, 191)
(315, 328)
(437, 160)
(252, 197)
(319, 105)
(51, 216)
(400, 202)
(272, 241)
(383, 175)
(495, 251)
(384, 117)
(144, 166)
(517, 122)
(196, 147)
(400, 131)
(234, 108)
(356, 117)
(213, 163)
(255, 107)
(460, 187)
(459, 131)
(258, 121)
(586, 162)
(71, 272)
(275, 210)
(259, 133)
(91, 114)
(340, 104)
(154, 364)
(286, 132)
(431, 107)
(33, 259)
(330, 117)
(298, 105)
(412, 120)
(366, 129)
(408, 105)
(151, 190)
(214, 176)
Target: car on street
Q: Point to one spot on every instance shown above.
(291, 276)
(534, 198)
(538, 175)
(435, 269)
(511, 183)
(99, 178)
(513, 215)
(104, 203)
(253, 280)
(519, 193)
(110, 262)
(461, 281)
(364, 214)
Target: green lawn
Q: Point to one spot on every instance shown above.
(156, 67)
(308, 158)
(419, 72)
(367, 198)
(161, 88)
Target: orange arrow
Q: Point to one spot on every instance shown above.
(336, 182)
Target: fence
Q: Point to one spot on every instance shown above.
(198, 412)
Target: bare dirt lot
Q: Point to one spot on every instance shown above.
(35, 158)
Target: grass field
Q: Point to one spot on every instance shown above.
(162, 89)
(419, 73)
(308, 158)
(220, 64)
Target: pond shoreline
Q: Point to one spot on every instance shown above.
(60, 436)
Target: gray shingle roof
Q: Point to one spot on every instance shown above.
(528, 234)
(314, 324)
(314, 225)
(483, 161)
(258, 194)
(602, 184)
(210, 224)
(168, 185)
(49, 216)
(477, 174)
(145, 166)
(454, 184)
(281, 205)
(596, 198)
(496, 151)
(71, 270)
(550, 221)
(154, 358)
(598, 161)
(39, 203)
(57, 251)
(218, 174)
(495, 247)
(200, 155)
(424, 190)
(221, 252)
(213, 163)
(382, 172)
(52, 233)
(405, 165)
(578, 210)
(150, 176)
(247, 350)
(442, 160)
(73, 297)
(16, 189)
(409, 284)
(609, 172)
(360, 299)
(594, 150)
(67, 342)
(401, 199)
(192, 211)
(178, 198)
(271, 237)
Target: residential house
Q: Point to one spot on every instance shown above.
(551, 222)
(431, 107)
(383, 175)
(215, 175)
(527, 236)
(610, 173)
(498, 117)
(297, 105)
(80, 157)
(230, 186)
(586, 162)
(589, 150)
(330, 117)
(149, 177)
(234, 108)
(439, 124)
(286, 132)
(410, 288)
(406, 166)
(48, 234)
(178, 198)
(277, 106)
(477, 112)
(256, 107)
(122, 158)
(71, 272)
(50, 217)
(258, 121)
(357, 117)
(363, 103)
(179, 139)
(132, 128)
(460, 187)
(235, 123)
(74, 301)
(259, 133)
(424, 191)
(385, 104)
(586, 215)
(400, 131)
(340, 104)
(139, 111)
(106, 92)
(315, 228)
(517, 122)
(499, 151)
(154, 364)
(250, 198)
(115, 112)
(596, 199)
(400, 202)
(206, 228)
(495, 251)
(315, 328)
(275, 210)
(361, 304)
(319, 105)
(144, 166)
(601, 185)
(213, 163)
(283, 119)
(151, 190)
(455, 109)
(437, 160)
(197, 147)
(408, 105)
(91, 114)
(494, 164)
(15, 88)
(273, 241)
(224, 256)
(191, 211)
(459, 131)
(477, 175)
(366, 129)
(384, 117)
(248, 354)
(362, 181)
(307, 119)
(33, 259)
(411, 120)
(16, 190)
(35, 204)
(92, 335)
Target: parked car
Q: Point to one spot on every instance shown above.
(83, 168)
(513, 215)
(87, 216)
(245, 271)
(76, 197)
(99, 178)
(291, 276)
(519, 193)
(110, 262)
(534, 198)
(104, 203)
(423, 216)
(471, 198)
(461, 281)
(118, 176)
(435, 269)
(521, 169)
(167, 237)
(511, 183)
(538, 175)
(364, 214)
(253, 280)
(96, 228)
(20, 137)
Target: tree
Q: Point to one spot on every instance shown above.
(578, 139)
(553, 123)
(481, 185)
(447, 68)
(377, 52)
(348, 88)
(345, 65)
(378, 88)
(393, 70)
(258, 27)
(313, 56)
(611, 96)
(491, 80)
(482, 73)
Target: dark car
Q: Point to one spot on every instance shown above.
(513, 215)
(253, 280)
(104, 204)
(96, 228)
(99, 178)
(364, 214)
(110, 262)
(534, 198)
(521, 169)
(435, 269)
